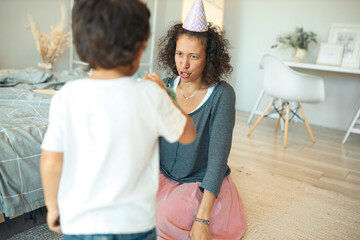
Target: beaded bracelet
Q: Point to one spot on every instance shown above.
(206, 222)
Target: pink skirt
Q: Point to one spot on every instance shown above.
(178, 203)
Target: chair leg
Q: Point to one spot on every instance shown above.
(280, 115)
(260, 118)
(286, 124)
(307, 124)
(256, 106)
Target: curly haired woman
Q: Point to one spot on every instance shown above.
(197, 198)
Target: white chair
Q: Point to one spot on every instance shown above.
(284, 84)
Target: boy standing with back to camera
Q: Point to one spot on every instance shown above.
(100, 158)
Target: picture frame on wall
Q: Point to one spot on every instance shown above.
(330, 54)
(349, 35)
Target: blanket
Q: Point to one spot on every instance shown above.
(23, 122)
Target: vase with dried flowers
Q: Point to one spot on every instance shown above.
(299, 40)
(51, 45)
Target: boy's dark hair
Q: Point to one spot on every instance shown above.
(217, 66)
(109, 33)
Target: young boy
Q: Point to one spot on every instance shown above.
(100, 159)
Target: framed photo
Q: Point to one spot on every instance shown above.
(330, 54)
(349, 35)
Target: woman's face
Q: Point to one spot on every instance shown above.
(190, 58)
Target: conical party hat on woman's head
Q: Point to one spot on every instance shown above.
(196, 18)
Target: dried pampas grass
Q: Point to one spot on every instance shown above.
(51, 45)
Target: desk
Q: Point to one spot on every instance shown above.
(318, 67)
(312, 66)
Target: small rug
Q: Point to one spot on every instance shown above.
(279, 208)
(40, 232)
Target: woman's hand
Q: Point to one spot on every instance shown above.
(53, 220)
(200, 231)
(155, 78)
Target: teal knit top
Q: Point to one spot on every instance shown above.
(204, 160)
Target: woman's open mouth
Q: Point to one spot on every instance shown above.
(184, 74)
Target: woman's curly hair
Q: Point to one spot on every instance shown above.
(217, 66)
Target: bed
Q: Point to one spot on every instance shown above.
(24, 106)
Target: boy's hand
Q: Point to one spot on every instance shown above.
(155, 78)
(50, 169)
(53, 221)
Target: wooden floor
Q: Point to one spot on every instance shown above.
(327, 163)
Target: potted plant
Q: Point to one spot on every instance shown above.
(299, 40)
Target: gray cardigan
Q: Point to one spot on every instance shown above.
(204, 160)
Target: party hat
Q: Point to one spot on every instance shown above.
(196, 18)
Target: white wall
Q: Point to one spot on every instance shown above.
(168, 13)
(252, 27)
(17, 44)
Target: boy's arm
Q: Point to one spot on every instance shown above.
(189, 133)
(50, 169)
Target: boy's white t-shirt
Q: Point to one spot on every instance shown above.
(108, 131)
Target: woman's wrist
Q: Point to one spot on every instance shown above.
(206, 222)
(204, 212)
(205, 208)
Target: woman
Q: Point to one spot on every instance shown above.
(196, 196)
